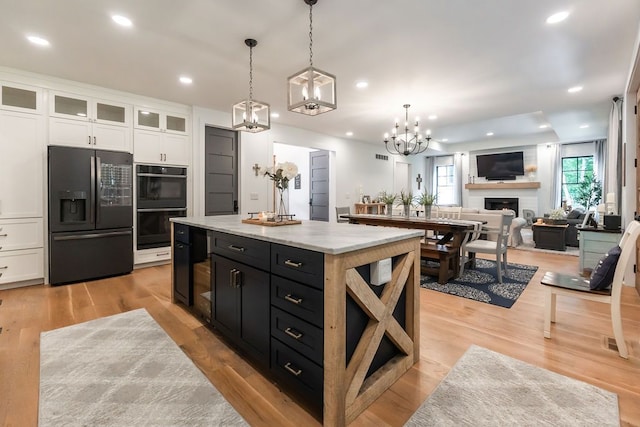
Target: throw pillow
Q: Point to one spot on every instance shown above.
(575, 214)
(602, 275)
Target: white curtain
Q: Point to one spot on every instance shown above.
(600, 159)
(457, 170)
(555, 195)
(613, 169)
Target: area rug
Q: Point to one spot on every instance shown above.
(481, 283)
(124, 370)
(485, 388)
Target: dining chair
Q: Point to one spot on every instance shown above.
(498, 247)
(579, 287)
(449, 212)
(342, 210)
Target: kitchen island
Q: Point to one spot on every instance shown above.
(300, 302)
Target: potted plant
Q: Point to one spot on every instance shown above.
(388, 199)
(427, 200)
(406, 199)
(589, 193)
(556, 217)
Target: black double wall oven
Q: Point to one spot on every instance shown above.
(161, 194)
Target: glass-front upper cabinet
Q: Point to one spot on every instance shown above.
(78, 107)
(19, 97)
(160, 121)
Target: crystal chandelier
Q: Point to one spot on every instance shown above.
(311, 91)
(250, 115)
(411, 143)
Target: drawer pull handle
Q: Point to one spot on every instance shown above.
(4, 268)
(295, 372)
(293, 263)
(293, 333)
(292, 299)
(235, 278)
(236, 248)
(163, 254)
(4, 235)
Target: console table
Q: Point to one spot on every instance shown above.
(594, 244)
(550, 236)
(370, 208)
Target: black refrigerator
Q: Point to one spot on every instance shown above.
(90, 214)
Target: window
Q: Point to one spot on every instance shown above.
(575, 170)
(445, 185)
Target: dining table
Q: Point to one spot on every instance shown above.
(450, 232)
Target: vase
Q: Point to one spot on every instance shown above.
(282, 210)
(427, 211)
(389, 210)
(406, 210)
(531, 176)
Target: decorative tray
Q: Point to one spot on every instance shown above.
(271, 223)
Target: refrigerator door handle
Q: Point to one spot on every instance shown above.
(162, 210)
(92, 236)
(98, 188)
(92, 197)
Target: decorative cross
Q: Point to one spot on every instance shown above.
(419, 180)
(256, 168)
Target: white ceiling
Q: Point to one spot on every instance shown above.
(490, 65)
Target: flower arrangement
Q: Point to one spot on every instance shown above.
(281, 174)
(405, 198)
(557, 214)
(530, 168)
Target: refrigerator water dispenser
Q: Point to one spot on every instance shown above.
(73, 206)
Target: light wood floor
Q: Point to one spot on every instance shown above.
(449, 325)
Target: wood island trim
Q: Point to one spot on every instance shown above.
(503, 185)
(346, 392)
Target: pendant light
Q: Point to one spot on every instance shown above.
(312, 91)
(250, 115)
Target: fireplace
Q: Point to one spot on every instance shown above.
(497, 203)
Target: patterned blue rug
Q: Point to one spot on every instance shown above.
(481, 283)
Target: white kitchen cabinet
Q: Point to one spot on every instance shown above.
(160, 147)
(22, 160)
(161, 121)
(21, 265)
(20, 233)
(81, 121)
(152, 256)
(18, 97)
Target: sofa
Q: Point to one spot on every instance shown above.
(574, 217)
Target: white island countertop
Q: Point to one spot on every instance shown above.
(319, 236)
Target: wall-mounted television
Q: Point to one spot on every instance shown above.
(501, 166)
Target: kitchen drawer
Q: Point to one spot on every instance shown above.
(248, 251)
(297, 334)
(21, 234)
(181, 233)
(25, 264)
(154, 255)
(298, 264)
(298, 372)
(298, 299)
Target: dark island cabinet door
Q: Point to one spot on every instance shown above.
(182, 272)
(240, 308)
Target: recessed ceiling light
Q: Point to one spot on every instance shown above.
(584, 126)
(275, 115)
(144, 113)
(38, 40)
(489, 133)
(122, 20)
(349, 133)
(543, 126)
(557, 17)
(444, 140)
(186, 80)
(432, 117)
(81, 114)
(574, 89)
(362, 84)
